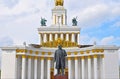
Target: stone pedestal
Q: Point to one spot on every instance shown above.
(60, 77)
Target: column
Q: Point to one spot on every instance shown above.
(29, 67)
(57, 20)
(61, 36)
(78, 39)
(40, 39)
(89, 67)
(102, 67)
(83, 67)
(73, 37)
(55, 70)
(23, 67)
(56, 36)
(35, 67)
(69, 68)
(67, 37)
(45, 38)
(54, 19)
(76, 67)
(50, 37)
(95, 67)
(64, 19)
(42, 68)
(17, 67)
(48, 66)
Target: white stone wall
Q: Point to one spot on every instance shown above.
(8, 67)
(111, 66)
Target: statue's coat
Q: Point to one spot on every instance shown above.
(59, 57)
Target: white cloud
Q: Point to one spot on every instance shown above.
(107, 40)
(97, 14)
(24, 6)
(6, 41)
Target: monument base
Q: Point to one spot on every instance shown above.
(60, 77)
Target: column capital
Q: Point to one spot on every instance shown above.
(16, 56)
(43, 53)
(36, 57)
(75, 53)
(17, 50)
(76, 58)
(49, 58)
(69, 58)
(37, 52)
(29, 57)
(89, 57)
(42, 58)
(49, 53)
(23, 56)
(69, 53)
(102, 50)
(87, 51)
(31, 51)
(95, 56)
(93, 50)
(82, 57)
(102, 56)
(81, 52)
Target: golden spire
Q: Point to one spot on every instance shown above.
(59, 2)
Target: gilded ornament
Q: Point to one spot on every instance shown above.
(75, 53)
(81, 52)
(37, 52)
(69, 53)
(59, 2)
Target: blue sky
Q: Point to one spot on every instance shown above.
(99, 20)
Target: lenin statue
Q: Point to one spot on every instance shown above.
(59, 58)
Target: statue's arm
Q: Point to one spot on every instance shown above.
(55, 56)
(65, 53)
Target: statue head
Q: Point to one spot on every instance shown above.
(59, 47)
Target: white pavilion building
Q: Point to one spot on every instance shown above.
(83, 61)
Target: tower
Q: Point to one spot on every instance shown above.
(59, 14)
(59, 32)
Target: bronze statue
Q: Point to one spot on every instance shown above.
(59, 2)
(43, 22)
(74, 21)
(59, 58)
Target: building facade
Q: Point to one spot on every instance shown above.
(83, 61)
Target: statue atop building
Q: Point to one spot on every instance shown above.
(59, 58)
(43, 22)
(59, 2)
(74, 21)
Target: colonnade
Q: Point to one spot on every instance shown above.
(59, 19)
(49, 37)
(86, 67)
(34, 65)
(29, 67)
